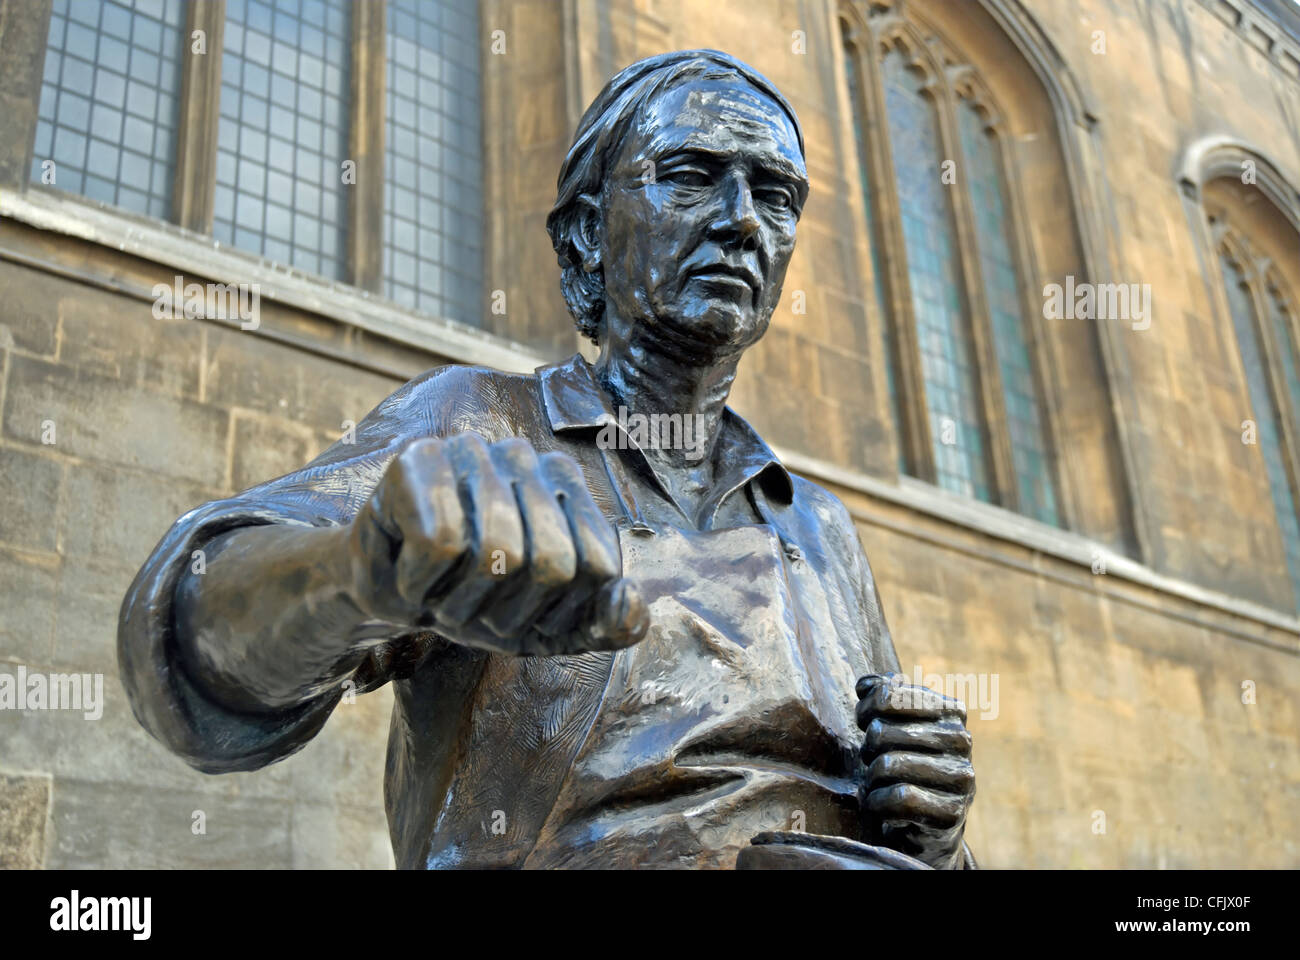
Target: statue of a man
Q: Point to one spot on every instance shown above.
(619, 632)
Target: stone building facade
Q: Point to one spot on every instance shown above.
(1082, 519)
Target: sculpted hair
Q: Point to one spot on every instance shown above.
(596, 143)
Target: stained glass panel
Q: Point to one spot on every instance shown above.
(1282, 320)
(857, 100)
(1006, 313)
(942, 327)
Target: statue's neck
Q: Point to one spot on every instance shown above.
(649, 375)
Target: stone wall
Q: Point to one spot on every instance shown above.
(1129, 728)
(150, 418)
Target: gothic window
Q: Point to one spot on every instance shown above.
(1246, 289)
(1283, 319)
(1003, 289)
(857, 95)
(433, 185)
(951, 280)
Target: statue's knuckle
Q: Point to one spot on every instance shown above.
(449, 539)
(599, 561)
(556, 566)
(909, 793)
(516, 451)
(876, 730)
(561, 464)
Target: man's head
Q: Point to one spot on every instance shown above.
(678, 200)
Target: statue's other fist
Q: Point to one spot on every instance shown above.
(495, 547)
(919, 782)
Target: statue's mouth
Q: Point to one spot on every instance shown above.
(724, 275)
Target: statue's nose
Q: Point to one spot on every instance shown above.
(736, 220)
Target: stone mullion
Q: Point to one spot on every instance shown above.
(194, 182)
(910, 382)
(988, 373)
(24, 35)
(366, 144)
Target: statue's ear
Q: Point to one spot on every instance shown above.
(588, 225)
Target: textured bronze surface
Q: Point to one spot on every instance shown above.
(620, 633)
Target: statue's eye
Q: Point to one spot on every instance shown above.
(686, 177)
(779, 199)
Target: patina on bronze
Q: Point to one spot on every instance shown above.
(620, 633)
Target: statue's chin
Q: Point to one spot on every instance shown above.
(720, 324)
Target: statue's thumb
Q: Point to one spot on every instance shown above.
(618, 616)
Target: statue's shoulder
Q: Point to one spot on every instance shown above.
(459, 386)
(456, 380)
(825, 512)
(458, 397)
(816, 498)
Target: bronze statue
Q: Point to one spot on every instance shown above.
(620, 633)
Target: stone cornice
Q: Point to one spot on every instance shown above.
(1257, 28)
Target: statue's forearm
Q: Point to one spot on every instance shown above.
(268, 622)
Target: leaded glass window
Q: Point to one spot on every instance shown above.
(283, 131)
(433, 194)
(1267, 417)
(947, 363)
(1281, 319)
(108, 111)
(1002, 291)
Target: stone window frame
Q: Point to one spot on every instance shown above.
(1261, 278)
(199, 96)
(1215, 229)
(950, 80)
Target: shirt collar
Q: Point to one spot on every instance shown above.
(575, 401)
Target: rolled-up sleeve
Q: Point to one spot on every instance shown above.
(167, 702)
(170, 704)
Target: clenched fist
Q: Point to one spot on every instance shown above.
(919, 780)
(494, 547)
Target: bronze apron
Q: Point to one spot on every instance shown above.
(735, 714)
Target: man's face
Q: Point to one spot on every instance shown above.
(700, 213)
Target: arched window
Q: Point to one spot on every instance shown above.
(951, 279)
(948, 368)
(857, 94)
(1261, 322)
(1283, 318)
(1003, 292)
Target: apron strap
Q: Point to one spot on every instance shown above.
(623, 495)
(759, 500)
